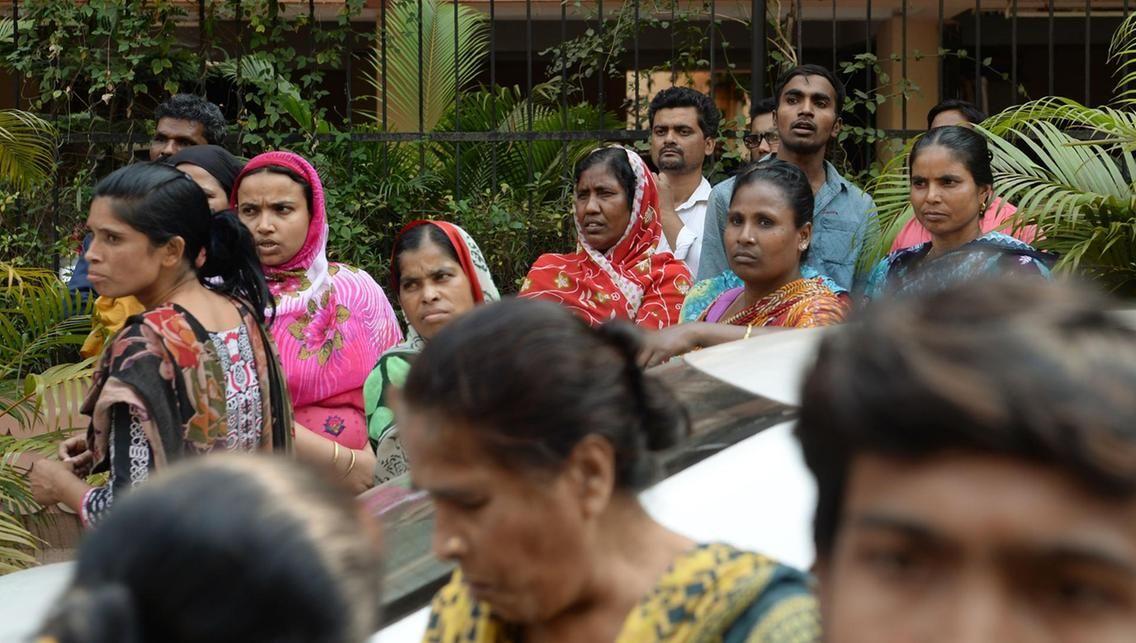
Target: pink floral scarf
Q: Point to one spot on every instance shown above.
(332, 321)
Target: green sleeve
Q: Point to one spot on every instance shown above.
(390, 371)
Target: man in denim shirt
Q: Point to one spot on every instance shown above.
(807, 118)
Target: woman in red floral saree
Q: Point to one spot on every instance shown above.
(616, 271)
(196, 372)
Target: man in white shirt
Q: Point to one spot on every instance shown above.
(684, 126)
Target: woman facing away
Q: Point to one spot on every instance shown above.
(767, 234)
(439, 273)
(229, 548)
(615, 271)
(952, 185)
(195, 373)
(331, 321)
(213, 169)
(534, 472)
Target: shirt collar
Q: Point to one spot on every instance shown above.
(701, 194)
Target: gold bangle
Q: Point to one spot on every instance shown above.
(335, 455)
(749, 329)
(350, 466)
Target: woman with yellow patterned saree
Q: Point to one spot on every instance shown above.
(534, 473)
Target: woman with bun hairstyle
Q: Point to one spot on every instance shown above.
(533, 472)
(331, 321)
(196, 372)
(952, 185)
(226, 549)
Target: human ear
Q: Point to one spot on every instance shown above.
(590, 468)
(836, 126)
(172, 251)
(805, 236)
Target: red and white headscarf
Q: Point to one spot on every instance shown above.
(632, 280)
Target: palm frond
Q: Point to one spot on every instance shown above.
(27, 148)
(259, 71)
(421, 40)
(1122, 50)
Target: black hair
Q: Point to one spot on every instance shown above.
(554, 381)
(615, 159)
(1028, 369)
(813, 70)
(413, 239)
(215, 160)
(966, 145)
(288, 172)
(190, 107)
(178, 556)
(969, 111)
(163, 202)
(674, 97)
(789, 179)
(766, 105)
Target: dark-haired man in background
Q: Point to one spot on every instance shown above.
(809, 100)
(975, 457)
(185, 120)
(684, 129)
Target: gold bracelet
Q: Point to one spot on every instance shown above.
(350, 466)
(335, 455)
(749, 329)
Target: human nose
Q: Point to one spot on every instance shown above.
(93, 253)
(764, 148)
(748, 234)
(264, 223)
(447, 543)
(976, 612)
(430, 292)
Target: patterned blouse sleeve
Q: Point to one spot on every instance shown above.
(662, 302)
(131, 459)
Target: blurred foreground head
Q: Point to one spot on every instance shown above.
(975, 456)
(226, 548)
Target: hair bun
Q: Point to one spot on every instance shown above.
(663, 421)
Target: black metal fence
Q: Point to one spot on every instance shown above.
(1068, 38)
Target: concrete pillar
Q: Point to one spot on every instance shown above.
(922, 70)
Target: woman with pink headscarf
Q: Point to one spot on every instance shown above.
(331, 322)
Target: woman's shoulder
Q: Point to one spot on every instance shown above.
(455, 615)
(731, 594)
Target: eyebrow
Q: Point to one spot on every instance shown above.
(886, 522)
(1082, 554)
(797, 93)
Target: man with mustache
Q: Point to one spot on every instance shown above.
(809, 99)
(684, 126)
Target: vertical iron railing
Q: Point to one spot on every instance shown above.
(642, 53)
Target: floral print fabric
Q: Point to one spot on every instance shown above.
(331, 324)
(163, 386)
(630, 281)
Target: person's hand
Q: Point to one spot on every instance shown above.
(362, 475)
(45, 479)
(660, 346)
(74, 453)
